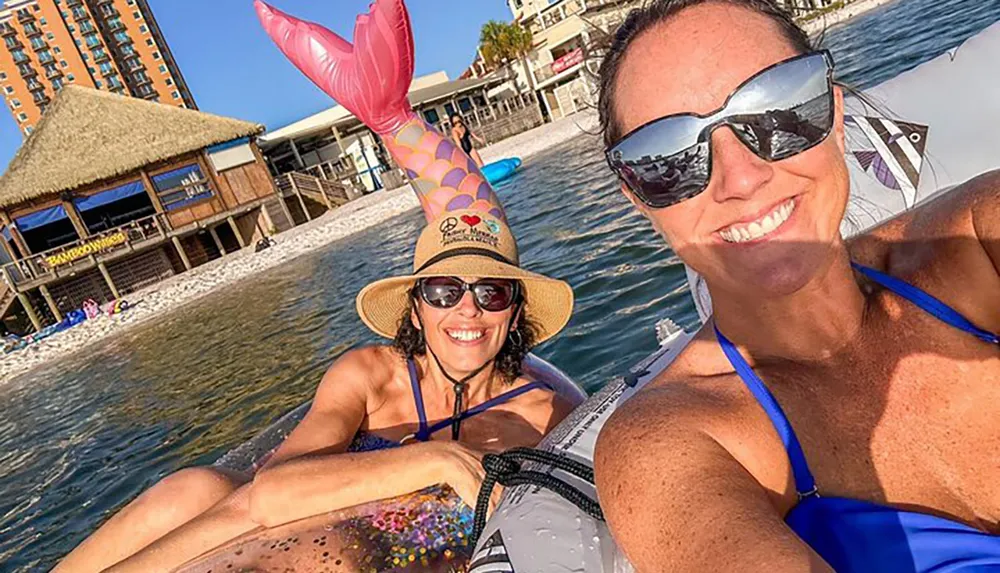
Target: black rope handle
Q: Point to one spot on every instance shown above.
(505, 469)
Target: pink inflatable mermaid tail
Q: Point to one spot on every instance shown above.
(371, 79)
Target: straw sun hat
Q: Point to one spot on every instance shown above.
(474, 244)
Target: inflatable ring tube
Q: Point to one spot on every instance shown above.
(500, 170)
(423, 531)
(959, 101)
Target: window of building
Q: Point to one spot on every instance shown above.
(15, 103)
(175, 95)
(86, 27)
(19, 55)
(57, 50)
(86, 57)
(156, 55)
(98, 84)
(8, 89)
(69, 77)
(149, 41)
(130, 2)
(163, 68)
(46, 57)
(43, 22)
(127, 49)
(57, 83)
(37, 42)
(169, 81)
(78, 42)
(431, 115)
(28, 130)
(179, 188)
(22, 117)
(143, 28)
(137, 15)
(121, 36)
(63, 63)
(3, 75)
(50, 36)
(71, 28)
(79, 12)
(92, 40)
(91, 70)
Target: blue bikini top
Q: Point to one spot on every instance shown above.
(367, 441)
(858, 536)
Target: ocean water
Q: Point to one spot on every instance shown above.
(78, 441)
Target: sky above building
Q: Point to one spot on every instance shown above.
(233, 68)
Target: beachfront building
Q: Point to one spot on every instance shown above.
(110, 45)
(334, 145)
(562, 32)
(111, 194)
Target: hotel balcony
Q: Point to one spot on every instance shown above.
(22, 59)
(28, 72)
(7, 30)
(39, 46)
(14, 45)
(101, 57)
(109, 72)
(32, 30)
(53, 73)
(115, 26)
(81, 15)
(25, 16)
(71, 3)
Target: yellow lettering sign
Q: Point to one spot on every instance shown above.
(79, 252)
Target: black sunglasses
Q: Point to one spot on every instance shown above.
(781, 111)
(491, 295)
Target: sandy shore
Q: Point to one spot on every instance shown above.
(169, 295)
(842, 15)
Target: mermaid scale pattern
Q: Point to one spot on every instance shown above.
(371, 79)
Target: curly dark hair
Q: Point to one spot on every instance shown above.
(409, 342)
(643, 19)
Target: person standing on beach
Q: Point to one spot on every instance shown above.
(463, 136)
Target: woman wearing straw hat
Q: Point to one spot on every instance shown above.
(386, 420)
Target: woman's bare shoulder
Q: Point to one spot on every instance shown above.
(365, 369)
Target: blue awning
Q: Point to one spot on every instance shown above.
(41, 218)
(109, 196)
(228, 144)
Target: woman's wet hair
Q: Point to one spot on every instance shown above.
(410, 342)
(656, 12)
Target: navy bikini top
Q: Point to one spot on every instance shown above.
(367, 441)
(425, 431)
(856, 536)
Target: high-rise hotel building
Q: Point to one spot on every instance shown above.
(110, 45)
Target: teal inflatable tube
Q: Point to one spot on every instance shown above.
(500, 170)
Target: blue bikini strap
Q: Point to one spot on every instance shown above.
(927, 302)
(495, 401)
(422, 434)
(805, 485)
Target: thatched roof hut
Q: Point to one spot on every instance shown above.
(89, 135)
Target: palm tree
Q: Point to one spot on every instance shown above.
(502, 43)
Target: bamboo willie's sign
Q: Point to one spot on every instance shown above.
(89, 248)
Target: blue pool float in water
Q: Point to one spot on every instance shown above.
(500, 170)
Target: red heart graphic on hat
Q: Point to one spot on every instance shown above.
(471, 220)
